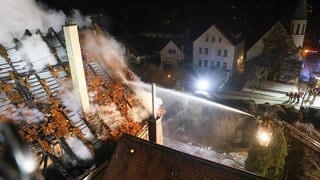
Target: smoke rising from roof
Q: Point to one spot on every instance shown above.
(18, 15)
(110, 54)
(68, 97)
(26, 114)
(36, 52)
(78, 148)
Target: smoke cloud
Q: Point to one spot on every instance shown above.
(24, 113)
(18, 15)
(36, 52)
(68, 97)
(79, 148)
(110, 54)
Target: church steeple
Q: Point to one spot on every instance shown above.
(299, 23)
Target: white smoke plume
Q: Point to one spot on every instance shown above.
(36, 52)
(24, 113)
(68, 97)
(110, 54)
(79, 19)
(78, 148)
(18, 15)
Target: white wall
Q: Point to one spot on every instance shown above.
(206, 41)
(171, 58)
(297, 34)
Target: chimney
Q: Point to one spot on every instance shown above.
(155, 122)
(76, 65)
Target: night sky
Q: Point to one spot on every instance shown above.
(138, 15)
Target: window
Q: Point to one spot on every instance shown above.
(218, 63)
(199, 62)
(225, 53)
(303, 29)
(206, 51)
(172, 51)
(200, 50)
(207, 39)
(219, 40)
(213, 39)
(298, 29)
(219, 52)
(212, 64)
(224, 66)
(205, 63)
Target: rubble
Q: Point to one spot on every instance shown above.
(42, 90)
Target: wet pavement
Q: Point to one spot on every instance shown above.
(273, 93)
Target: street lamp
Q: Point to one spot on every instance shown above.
(264, 132)
(203, 85)
(263, 136)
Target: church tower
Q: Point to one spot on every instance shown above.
(299, 23)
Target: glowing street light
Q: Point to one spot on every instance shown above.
(263, 136)
(203, 85)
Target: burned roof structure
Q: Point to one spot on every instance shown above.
(35, 93)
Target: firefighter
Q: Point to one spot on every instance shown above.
(297, 94)
(294, 95)
(290, 95)
(314, 94)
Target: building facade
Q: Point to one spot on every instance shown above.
(153, 50)
(213, 49)
(171, 55)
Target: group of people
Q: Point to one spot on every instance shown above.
(295, 96)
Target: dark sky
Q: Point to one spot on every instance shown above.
(249, 14)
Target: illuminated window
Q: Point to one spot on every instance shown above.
(200, 50)
(206, 51)
(219, 52)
